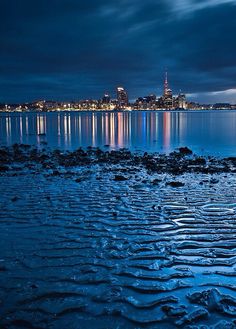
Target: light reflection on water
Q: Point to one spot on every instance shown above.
(205, 132)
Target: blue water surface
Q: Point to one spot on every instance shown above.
(205, 132)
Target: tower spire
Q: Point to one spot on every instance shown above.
(166, 84)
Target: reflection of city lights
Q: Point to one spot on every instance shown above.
(102, 125)
(112, 130)
(120, 137)
(8, 129)
(65, 125)
(58, 124)
(58, 129)
(69, 125)
(166, 129)
(182, 124)
(67, 131)
(27, 125)
(126, 130)
(129, 125)
(21, 129)
(94, 130)
(156, 120)
(79, 129)
(147, 131)
(107, 134)
(41, 124)
(142, 126)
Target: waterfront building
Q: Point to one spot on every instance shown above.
(122, 97)
(181, 102)
(221, 106)
(151, 98)
(106, 99)
(106, 103)
(147, 102)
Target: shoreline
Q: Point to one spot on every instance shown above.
(176, 163)
(121, 111)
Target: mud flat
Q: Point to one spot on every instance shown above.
(94, 239)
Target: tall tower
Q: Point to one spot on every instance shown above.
(166, 85)
(167, 96)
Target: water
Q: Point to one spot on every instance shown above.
(80, 249)
(212, 132)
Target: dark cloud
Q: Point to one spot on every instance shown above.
(70, 49)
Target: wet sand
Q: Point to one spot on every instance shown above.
(93, 239)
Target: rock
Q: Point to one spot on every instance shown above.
(175, 163)
(200, 313)
(225, 325)
(56, 173)
(33, 286)
(3, 153)
(79, 179)
(209, 298)
(185, 151)
(174, 311)
(198, 327)
(214, 181)
(15, 198)
(120, 178)
(4, 168)
(156, 181)
(214, 301)
(175, 184)
(199, 161)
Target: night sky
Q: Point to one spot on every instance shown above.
(74, 49)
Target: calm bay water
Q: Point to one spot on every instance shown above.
(204, 132)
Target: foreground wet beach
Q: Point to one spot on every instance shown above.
(95, 239)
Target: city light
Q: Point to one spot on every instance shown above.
(166, 101)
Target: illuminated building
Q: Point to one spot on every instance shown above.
(122, 97)
(221, 106)
(151, 98)
(106, 99)
(147, 102)
(181, 102)
(167, 95)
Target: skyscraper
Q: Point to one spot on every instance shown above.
(181, 101)
(166, 85)
(122, 97)
(106, 98)
(167, 95)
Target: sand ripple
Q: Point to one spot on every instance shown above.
(99, 253)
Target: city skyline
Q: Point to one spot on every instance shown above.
(71, 50)
(119, 99)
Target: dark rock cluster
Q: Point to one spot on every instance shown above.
(176, 163)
